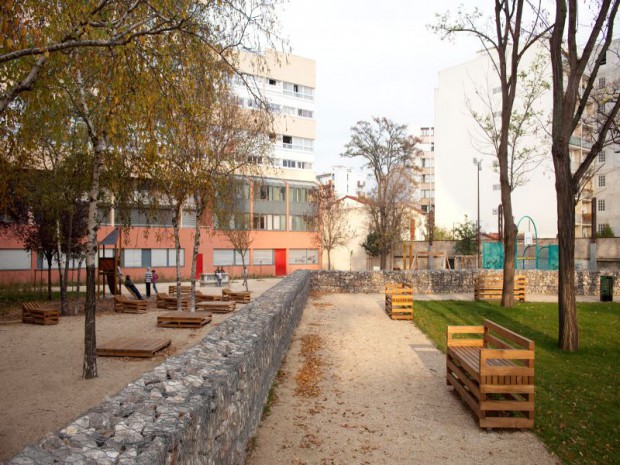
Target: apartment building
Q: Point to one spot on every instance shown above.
(279, 202)
(473, 87)
(345, 181)
(425, 192)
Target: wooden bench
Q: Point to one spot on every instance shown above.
(493, 374)
(225, 306)
(399, 301)
(168, 302)
(36, 314)
(124, 305)
(238, 296)
(200, 297)
(489, 287)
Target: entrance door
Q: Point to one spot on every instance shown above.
(280, 256)
(198, 265)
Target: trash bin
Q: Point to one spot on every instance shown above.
(607, 288)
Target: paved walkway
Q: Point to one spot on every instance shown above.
(382, 398)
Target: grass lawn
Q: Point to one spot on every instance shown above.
(577, 394)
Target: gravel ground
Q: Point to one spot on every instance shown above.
(359, 388)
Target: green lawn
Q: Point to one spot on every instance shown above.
(577, 394)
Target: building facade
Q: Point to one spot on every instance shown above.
(425, 192)
(344, 181)
(279, 202)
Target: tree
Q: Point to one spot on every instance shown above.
(389, 152)
(606, 232)
(575, 71)
(371, 244)
(333, 229)
(506, 40)
(466, 234)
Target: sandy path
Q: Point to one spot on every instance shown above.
(41, 389)
(382, 399)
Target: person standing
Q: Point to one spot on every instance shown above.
(148, 279)
(154, 279)
(218, 277)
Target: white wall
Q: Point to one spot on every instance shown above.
(458, 141)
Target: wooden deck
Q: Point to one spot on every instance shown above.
(131, 347)
(183, 320)
(226, 306)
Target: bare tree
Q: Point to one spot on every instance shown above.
(332, 222)
(506, 39)
(389, 152)
(575, 73)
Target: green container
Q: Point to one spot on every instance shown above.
(607, 288)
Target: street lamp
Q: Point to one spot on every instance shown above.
(478, 163)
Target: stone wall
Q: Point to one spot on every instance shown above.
(199, 407)
(450, 281)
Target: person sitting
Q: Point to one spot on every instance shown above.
(132, 287)
(218, 276)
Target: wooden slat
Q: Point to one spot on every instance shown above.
(507, 389)
(510, 335)
(183, 320)
(508, 405)
(506, 422)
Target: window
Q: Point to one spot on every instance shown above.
(287, 142)
(268, 222)
(601, 205)
(228, 257)
(601, 157)
(298, 91)
(303, 256)
(141, 258)
(13, 259)
(497, 187)
(262, 257)
(427, 162)
(601, 83)
(301, 223)
(270, 193)
(601, 181)
(304, 113)
(601, 227)
(272, 82)
(300, 195)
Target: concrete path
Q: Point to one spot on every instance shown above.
(381, 398)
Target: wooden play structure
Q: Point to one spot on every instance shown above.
(132, 347)
(36, 314)
(399, 301)
(411, 258)
(489, 287)
(109, 261)
(493, 374)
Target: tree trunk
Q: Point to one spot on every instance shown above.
(49, 276)
(89, 370)
(62, 265)
(329, 260)
(568, 337)
(177, 249)
(510, 241)
(192, 297)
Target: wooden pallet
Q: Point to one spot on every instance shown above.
(242, 297)
(34, 313)
(183, 320)
(226, 306)
(200, 297)
(167, 302)
(132, 347)
(124, 305)
(399, 301)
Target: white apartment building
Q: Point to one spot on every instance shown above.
(288, 84)
(459, 140)
(345, 181)
(424, 198)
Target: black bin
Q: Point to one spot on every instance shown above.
(607, 288)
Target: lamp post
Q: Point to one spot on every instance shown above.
(478, 163)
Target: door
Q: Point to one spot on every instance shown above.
(198, 265)
(280, 256)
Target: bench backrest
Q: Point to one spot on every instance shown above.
(398, 288)
(172, 290)
(498, 337)
(492, 280)
(31, 306)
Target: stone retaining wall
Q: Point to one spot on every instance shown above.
(199, 407)
(451, 281)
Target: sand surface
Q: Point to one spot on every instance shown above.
(41, 388)
(359, 388)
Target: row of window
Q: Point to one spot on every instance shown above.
(302, 165)
(287, 88)
(141, 258)
(260, 257)
(247, 102)
(295, 143)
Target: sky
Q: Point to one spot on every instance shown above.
(372, 59)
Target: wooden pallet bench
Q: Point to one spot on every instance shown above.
(399, 301)
(226, 306)
(493, 374)
(489, 287)
(183, 320)
(168, 302)
(200, 297)
(123, 304)
(132, 347)
(36, 314)
(238, 296)
(185, 290)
